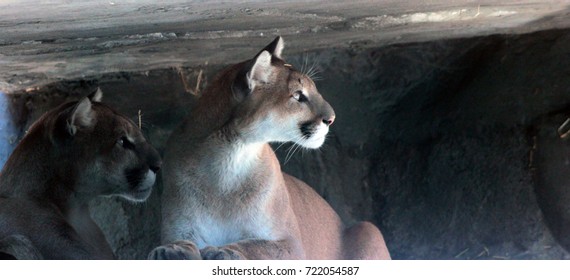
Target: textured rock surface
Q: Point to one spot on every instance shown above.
(47, 41)
(445, 140)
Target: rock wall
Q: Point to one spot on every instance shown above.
(436, 143)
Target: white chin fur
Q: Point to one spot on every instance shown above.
(317, 139)
(145, 188)
(148, 180)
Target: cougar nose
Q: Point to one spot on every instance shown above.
(329, 121)
(155, 166)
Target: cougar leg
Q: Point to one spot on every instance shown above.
(364, 241)
(256, 249)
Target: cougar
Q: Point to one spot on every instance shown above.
(70, 155)
(225, 196)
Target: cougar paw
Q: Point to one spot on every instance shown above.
(179, 250)
(220, 253)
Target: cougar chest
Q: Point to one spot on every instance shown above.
(217, 231)
(237, 164)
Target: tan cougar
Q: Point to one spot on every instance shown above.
(225, 196)
(72, 154)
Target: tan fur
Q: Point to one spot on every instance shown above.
(68, 157)
(225, 196)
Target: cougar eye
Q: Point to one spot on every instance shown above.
(126, 143)
(299, 96)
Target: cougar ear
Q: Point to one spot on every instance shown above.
(82, 116)
(260, 71)
(96, 96)
(276, 47)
